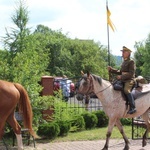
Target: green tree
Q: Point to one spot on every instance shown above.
(88, 55)
(30, 65)
(138, 55)
(15, 40)
(146, 55)
(69, 56)
(142, 56)
(4, 66)
(56, 45)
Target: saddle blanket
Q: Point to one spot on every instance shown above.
(136, 92)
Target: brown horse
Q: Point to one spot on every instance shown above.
(114, 105)
(11, 95)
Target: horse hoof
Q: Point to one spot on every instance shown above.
(144, 143)
(105, 148)
(126, 147)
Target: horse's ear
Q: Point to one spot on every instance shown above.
(88, 73)
(82, 73)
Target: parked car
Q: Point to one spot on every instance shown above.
(57, 81)
(66, 85)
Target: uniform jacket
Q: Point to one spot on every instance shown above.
(127, 70)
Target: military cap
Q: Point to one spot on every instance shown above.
(126, 49)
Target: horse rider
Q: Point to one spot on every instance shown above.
(126, 74)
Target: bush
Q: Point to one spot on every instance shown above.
(90, 120)
(49, 130)
(77, 124)
(126, 121)
(64, 127)
(102, 118)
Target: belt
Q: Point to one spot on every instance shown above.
(124, 73)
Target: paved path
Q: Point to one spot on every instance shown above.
(86, 145)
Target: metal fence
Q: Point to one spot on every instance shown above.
(138, 125)
(94, 104)
(138, 128)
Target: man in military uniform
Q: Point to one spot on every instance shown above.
(126, 74)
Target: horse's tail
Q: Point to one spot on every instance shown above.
(24, 106)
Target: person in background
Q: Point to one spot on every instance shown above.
(65, 88)
(126, 74)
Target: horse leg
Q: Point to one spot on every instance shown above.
(146, 118)
(17, 130)
(109, 131)
(2, 125)
(144, 141)
(120, 127)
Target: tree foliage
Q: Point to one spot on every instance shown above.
(30, 65)
(15, 39)
(142, 56)
(4, 69)
(69, 56)
(139, 57)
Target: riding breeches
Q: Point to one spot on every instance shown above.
(128, 86)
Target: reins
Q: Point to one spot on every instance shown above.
(103, 89)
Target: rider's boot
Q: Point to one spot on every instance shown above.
(131, 103)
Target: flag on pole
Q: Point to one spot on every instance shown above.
(109, 22)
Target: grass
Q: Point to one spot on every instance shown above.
(94, 134)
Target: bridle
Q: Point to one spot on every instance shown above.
(91, 87)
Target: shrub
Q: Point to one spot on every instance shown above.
(90, 120)
(102, 118)
(77, 124)
(49, 130)
(64, 127)
(126, 121)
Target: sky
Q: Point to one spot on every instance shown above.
(86, 19)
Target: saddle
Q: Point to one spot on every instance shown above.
(141, 87)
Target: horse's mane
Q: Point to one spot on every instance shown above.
(97, 78)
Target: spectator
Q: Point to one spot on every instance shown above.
(65, 87)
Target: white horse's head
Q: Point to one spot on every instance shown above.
(85, 85)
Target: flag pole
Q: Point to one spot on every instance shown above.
(110, 76)
(108, 36)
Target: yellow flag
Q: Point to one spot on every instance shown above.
(109, 22)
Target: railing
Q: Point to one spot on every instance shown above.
(138, 128)
(92, 105)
